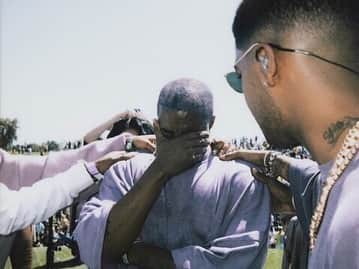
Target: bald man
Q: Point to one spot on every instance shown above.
(180, 208)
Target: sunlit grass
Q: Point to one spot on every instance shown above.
(39, 258)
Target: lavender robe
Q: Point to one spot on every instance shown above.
(338, 239)
(337, 244)
(214, 215)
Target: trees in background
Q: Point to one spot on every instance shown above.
(8, 129)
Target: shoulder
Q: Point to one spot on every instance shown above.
(235, 174)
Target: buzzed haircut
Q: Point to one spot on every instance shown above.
(324, 19)
(187, 95)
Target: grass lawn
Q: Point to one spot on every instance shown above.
(39, 258)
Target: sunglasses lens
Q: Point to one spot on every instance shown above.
(234, 81)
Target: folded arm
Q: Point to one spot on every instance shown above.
(242, 240)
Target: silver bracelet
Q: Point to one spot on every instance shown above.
(268, 161)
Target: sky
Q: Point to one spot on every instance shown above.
(69, 65)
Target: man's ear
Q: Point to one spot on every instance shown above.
(212, 122)
(267, 65)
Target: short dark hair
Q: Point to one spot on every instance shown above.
(135, 120)
(323, 18)
(188, 95)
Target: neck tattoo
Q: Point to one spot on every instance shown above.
(334, 131)
(348, 151)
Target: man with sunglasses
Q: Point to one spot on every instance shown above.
(179, 208)
(298, 67)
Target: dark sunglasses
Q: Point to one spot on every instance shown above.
(234, 79)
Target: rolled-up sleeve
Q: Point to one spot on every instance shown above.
(91, 228)
(244, 240)
(30, 205)
(304, 181)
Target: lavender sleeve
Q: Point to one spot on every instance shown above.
(29, 205)
(304, 179)
(20, 170)
(91, 228)
(243, 242)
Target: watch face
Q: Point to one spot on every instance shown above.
(128, 145)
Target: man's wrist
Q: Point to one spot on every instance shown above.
(159, 171)
(129, 145)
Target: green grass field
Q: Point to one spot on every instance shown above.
(39, 258)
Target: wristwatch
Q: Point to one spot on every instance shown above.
(93, 171)
(129, 146)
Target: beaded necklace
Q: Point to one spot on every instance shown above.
(349, 149)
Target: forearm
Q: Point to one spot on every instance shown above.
(95, 133)
(21, 251)
(60, 161)
(127, 217)
(151, 257)
(252, 156)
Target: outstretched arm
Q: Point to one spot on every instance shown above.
(21, 170)
(30, 205)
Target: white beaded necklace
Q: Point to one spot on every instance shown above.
(349, 149)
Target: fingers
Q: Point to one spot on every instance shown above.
(117, 156)
(217, 146)
(127, 156)
(252, 156)
(104, 163)
(234, 155)
(144, 143)
(151, 147)
(277, 189)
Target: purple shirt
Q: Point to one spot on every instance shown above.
(214, 215)
(337, 244)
